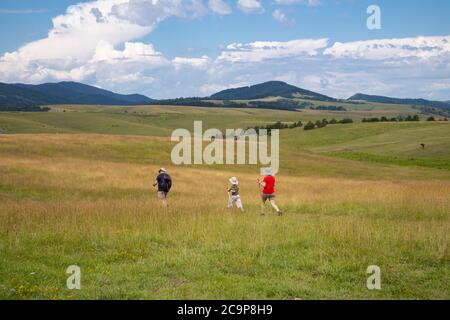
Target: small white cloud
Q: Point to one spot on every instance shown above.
(210, 88)
(250, 6)
(219, 7)
(440, 86)
(199, 63)
(136, 77)
(281, 17)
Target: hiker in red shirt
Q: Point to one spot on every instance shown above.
(268, 193)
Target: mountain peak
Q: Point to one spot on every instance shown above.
(65, 92)
(268, 89)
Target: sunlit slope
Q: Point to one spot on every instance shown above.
(325, 151)
(353, 151)
(162, 120)
(389, 143)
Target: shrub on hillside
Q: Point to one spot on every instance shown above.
(346, 121)
(309, 126)
(297, 124)
(413, 118)
(329, 108)
(319, 124)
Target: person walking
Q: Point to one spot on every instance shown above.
(233, 194)
(164, 183)
(267, 186)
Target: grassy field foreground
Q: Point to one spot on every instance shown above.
(79, 200)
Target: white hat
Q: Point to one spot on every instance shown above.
(234, 180)
(266, 171)
(162, 170)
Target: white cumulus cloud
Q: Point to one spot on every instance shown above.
(250, 6)
(75, 38)
(419, 47)
(220, 7)
(264, 50)
(97, 42)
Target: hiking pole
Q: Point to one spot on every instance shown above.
(259, 193)
(259, 184)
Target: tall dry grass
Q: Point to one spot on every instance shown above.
(104, 216)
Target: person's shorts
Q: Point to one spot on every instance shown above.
(236, 200)
(266, 196)
(162, 195)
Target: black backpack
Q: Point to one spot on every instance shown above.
(166, 182)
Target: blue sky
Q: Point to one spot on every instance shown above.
(187, 45)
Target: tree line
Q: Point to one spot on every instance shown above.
(308, 126)
(398, 119)
(24, 109)
(324, 122)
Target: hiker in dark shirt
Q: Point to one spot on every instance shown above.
(164, 183)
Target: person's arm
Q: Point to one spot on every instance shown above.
(262, 184)
(155, 183)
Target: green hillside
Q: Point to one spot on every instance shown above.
(162, 120)
(354, 195)
(384, 143)
(377, 143)
(26, 96)
(388, 100)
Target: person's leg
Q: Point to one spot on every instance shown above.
(274, 205)
(164, 200)
(239, 204)
(230, 203)
(163, 197)
(263, 205)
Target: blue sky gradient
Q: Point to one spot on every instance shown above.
(208, 34)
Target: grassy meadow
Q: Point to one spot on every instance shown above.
(75, 189)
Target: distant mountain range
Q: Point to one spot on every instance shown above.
(25, 95)
(416, 102)
(269, 89)
(31, 97)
